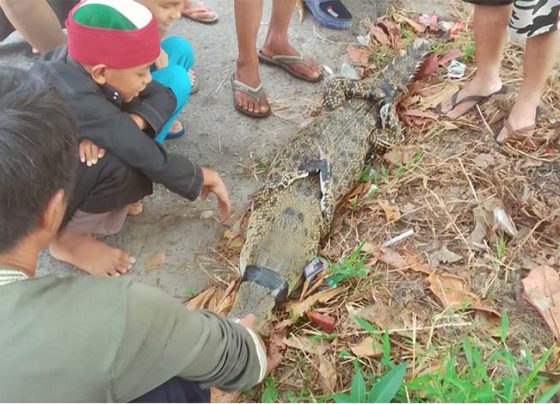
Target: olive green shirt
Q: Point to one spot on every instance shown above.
(105, 339)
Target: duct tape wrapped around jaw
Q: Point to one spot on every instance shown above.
(268, 279)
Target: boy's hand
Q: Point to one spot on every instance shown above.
(89, 152)
(214, 184)
(162, 60)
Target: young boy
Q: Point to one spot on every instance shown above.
(104, 74)
(84, 338)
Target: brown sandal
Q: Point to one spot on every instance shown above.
(476, 99)
(516, 134)
(254, 92)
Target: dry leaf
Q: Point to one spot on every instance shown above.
(327, 375)
(379, 35)
(417, 113)
(449, 56)
(359, 55)
(400, 155)
(299, 308)
(416, 27)
(276, 347)
(392, 212)
(430, 65)
(417, 264)
(220, 396)
(306, 345)
(448, 125)
(366, 349)
(445, 256)
(452, 291)
(553, 230)
(542, 290)
(442, 94)
(325, 322)
(430, 21)
(155, 261)
(393, 31)
(199, 301)
(392, 258)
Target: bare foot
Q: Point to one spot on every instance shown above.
(250, 77)
(90, 255)
(136, 208)
(308, 68)
(476, 86)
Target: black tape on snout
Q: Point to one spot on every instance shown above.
(268, 279)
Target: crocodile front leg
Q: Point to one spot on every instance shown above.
(342, 89)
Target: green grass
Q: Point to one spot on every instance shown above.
(350, 267)
(487, 372)
(501, 247)
(469, 52)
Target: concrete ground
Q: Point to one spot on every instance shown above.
(220, 137)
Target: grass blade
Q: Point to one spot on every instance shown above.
(387, 387)
(547, 395)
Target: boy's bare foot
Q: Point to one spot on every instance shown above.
(249, 75)
(477, 87)
(90, 255)
(136, 208)
(309, 67)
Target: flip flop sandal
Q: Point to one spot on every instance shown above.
(285, 62)
(254, 92)
(477, 99)
(197, 9)
(331, 14)
(516, 134)
(176, 134)
(194, 82)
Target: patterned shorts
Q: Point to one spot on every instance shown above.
(529, 17)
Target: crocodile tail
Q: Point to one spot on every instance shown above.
(404, 67)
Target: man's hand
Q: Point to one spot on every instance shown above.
(139, 121)
(212, 183)
(249, 322)
(162, 60)
(89, 152)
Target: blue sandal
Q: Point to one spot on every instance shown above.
(176, 135)
(330, 13)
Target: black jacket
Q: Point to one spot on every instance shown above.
(104, 120)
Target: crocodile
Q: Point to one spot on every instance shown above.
(293, 211)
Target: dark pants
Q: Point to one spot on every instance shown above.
(60, 8)
(176, 390)
(108, 185)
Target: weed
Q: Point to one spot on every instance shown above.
(189, 292)
(382, 390)
(440, 48)
(262, 166)
(469, 52)
(323, 336)
(501, 248)
(270, 392)
(348, 268)
(471, 373)
(414, 160)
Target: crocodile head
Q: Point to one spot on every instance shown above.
(282, 237)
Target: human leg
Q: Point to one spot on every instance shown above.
(489, 25)
(175, 78)
(539, 58)
(277, 42)
(99, 204)
(248, 14)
